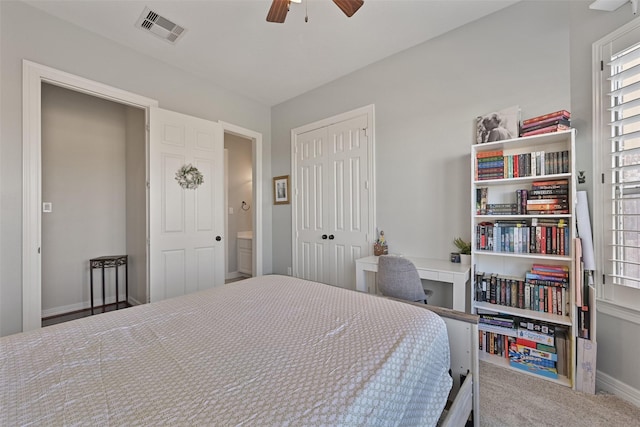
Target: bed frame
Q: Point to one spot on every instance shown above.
(464, 400)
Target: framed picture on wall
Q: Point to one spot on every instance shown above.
(281, 190)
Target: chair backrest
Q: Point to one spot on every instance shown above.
(398, 278)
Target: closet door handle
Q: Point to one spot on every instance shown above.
(330, 236)
(324, 237)
(218, 238)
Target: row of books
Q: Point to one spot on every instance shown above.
(549, 237)
(546, 123)
(543, 198)
(529, 294)
(496, 165)
(547, 197)
(540, 352)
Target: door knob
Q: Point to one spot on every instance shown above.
(324, 237)
(218, 238)
(330, 236)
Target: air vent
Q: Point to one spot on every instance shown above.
(159, 26)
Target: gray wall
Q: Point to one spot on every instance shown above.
(83, 176)
(136, 226)
(27, 33)
(617, 336)
(240, 188)
(426, 99)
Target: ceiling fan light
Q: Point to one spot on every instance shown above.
(295, 1)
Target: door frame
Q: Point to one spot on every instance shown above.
(33, 75)
(256, 202)
(369, 111)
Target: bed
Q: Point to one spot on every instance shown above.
(273, 350)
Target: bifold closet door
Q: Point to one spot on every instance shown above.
(332, 201)
(186, 224)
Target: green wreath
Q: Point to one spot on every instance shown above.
(189, 177)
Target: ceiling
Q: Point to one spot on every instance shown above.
(230, 43)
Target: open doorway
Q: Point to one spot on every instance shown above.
(34, 75)
(239, 217)
(94, 202)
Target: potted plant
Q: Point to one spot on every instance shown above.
(464, 249)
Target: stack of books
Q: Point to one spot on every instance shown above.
(548, 197)
(547, 123)
(490, 165)
(535, 349)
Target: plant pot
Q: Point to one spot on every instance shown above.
(465, 259)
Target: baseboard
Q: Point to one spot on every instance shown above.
(81, 306)
(623, 391)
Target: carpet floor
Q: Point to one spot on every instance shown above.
(510, 398)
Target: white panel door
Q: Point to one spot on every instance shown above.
(185, 225)
(332, 201)
(311, 217)
(348, 199)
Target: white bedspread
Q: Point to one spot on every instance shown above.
(266, 351)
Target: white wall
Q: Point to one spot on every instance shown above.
(27, 33)
(83, 176)
(240, 188)
(426, 99)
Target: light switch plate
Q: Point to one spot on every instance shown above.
(47, 207)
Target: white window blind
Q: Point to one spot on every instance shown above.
(622, 213)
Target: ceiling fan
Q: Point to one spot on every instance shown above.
(279, 8)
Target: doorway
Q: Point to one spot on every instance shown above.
(93, 192)
(238, 207)
(33, 76)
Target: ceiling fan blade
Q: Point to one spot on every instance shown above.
(278, 11)
(349, 7)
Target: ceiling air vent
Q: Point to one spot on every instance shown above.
(159, 26)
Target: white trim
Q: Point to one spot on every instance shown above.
(33, 75)
(613, 294)
(369, 110)
(609, 384)
(226, 211)
(618, 311)
(256, 143)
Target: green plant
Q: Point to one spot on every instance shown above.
(463, 247)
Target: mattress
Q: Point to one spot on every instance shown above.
(273, 350)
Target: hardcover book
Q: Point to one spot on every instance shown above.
(555, 114)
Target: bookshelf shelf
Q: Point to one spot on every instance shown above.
(535, 266)
(504, 362)
(520, 180)
(498, 330)
(519, 312)
(524, 255)
(521, 216)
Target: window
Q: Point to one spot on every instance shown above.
(616, 151)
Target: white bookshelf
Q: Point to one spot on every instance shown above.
(517, 263)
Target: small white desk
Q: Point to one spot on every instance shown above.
(429, 269)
